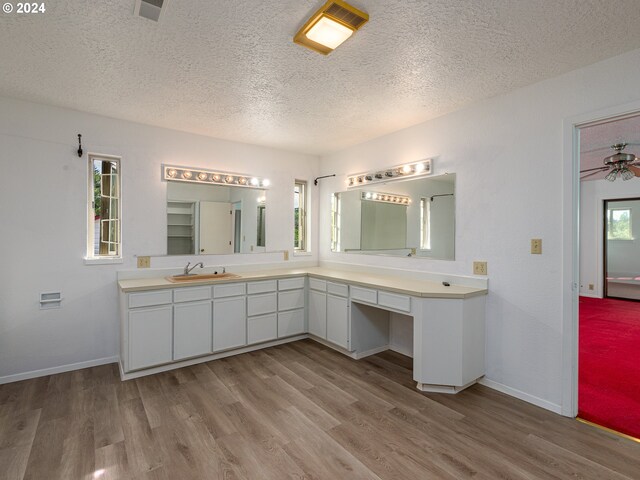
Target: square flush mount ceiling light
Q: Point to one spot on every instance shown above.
(331, 25)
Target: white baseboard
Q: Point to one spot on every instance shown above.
(521, 395)
(53, 370)
(368, 353)
(403, 350)
(590, 295)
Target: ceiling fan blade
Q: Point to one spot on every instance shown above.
(588, 175)
(592, 169)
(634, 169)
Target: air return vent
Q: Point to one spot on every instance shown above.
(150, 9)
(331, 25)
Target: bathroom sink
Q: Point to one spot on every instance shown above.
(196, 277)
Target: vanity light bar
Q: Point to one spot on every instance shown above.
(386, 198)
(193, 175)
(400, 172)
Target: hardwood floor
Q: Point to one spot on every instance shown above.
(294, 411)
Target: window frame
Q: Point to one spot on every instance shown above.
(303, 217)
(96, 258)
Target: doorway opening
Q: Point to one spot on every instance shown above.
(608, 376)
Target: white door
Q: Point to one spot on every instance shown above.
(338, 321)
(229, 323)
(191, 329)
(318, 313)
(150, 336)
(216, 227)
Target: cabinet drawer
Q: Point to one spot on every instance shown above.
(338, 289)
(262, 328)
(191, 294)
(148, 299)
(291, 283)
(315, 284)
(290, 300)
(395, 301)
(364, 294)
(290, 323)
(261, 304)
(229, 290)
(262, 287)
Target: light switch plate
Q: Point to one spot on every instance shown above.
(144, 262)
(285, 255)
(536, 246)
(479, 268)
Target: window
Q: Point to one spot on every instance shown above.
(619, 224)
(104, 239)
(425, 224)
(300, 216)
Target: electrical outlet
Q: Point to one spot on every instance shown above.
(536, 246)
(144, 262)
(591, 286)
(285, 255)
(479, 268)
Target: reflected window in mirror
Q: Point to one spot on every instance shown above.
(300, 215)
(261, 226)
(425, 224)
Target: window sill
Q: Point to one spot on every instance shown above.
(103, 261)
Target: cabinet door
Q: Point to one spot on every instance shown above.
(229, 323)
(338, 321)
(150, 336)
(318, 313)
(191, 329)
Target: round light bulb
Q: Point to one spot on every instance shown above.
(406, 169)
(420, 167)
(202, 176)
(216, 177)
(266, 182)
(172, 172)
(187, 174)
(254, 181)
(242, 180)
(229, 179)
(368, 195)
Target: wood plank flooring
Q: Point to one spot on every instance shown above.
(299, 411)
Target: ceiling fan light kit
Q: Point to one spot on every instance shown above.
(620, 164)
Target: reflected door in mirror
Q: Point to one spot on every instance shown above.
(216, 228)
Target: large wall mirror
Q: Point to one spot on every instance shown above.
(214, 219)
(408, 218)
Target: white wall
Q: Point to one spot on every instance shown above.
(592, 194)
(43, 191)
(507, 153)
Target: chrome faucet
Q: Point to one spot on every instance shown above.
(187, 269)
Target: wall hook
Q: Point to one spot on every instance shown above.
(80, 145)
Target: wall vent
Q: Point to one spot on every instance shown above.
(50, 300)
(150, 9)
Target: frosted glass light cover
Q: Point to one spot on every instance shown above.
(328, 32)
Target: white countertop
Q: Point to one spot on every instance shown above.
(392, 283)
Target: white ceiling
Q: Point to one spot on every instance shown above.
(596, 141)
(229, 69)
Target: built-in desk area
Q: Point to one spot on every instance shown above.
(166, 325)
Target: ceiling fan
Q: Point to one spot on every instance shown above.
(625, 165)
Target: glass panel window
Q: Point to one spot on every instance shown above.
(300, 215)
(104, 239)
(425, 224)
(619, 224)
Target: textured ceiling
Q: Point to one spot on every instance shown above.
(229, 69)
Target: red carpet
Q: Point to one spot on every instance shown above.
(609, 364)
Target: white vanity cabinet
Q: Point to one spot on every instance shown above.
(291, 303)
(262, 308)
(329, 311)
(229, 316)
(149, 320)
(191, 322)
